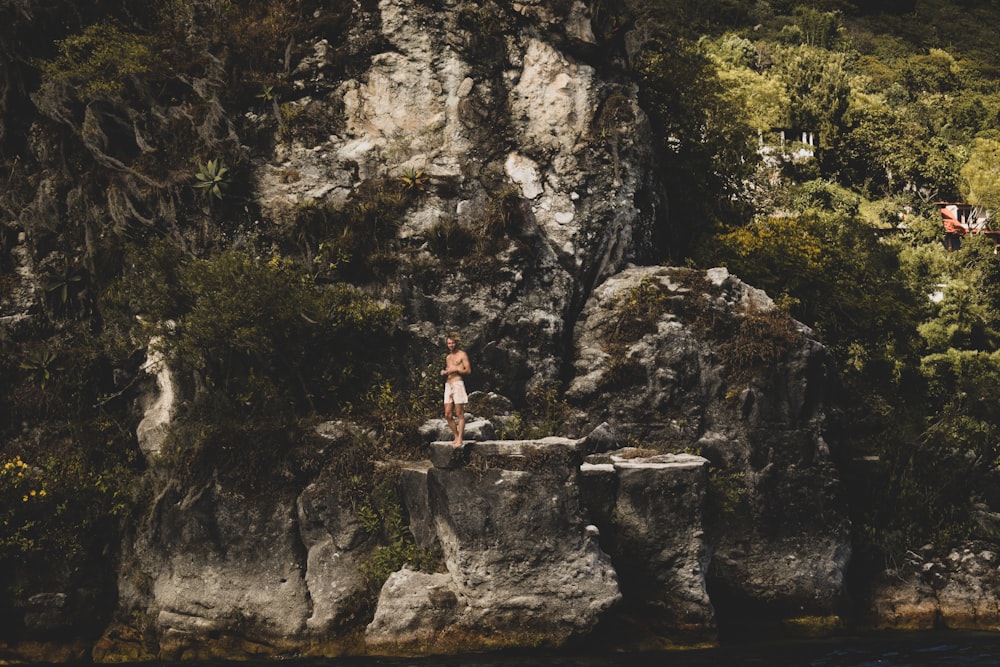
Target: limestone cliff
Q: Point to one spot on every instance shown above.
(705, 362)
(693, 487)
(521, 115)
(622, 536)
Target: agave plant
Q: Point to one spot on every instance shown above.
(212, 179)
(414, 179)
(267, 94)
(61, 281)
(41, 363)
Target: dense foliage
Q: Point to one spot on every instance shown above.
(899, 102)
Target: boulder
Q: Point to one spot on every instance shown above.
(928, 591)
(660, 354)
(522, 567)
(475, 429)
(659, 542)
(332, 535)
(415, 609)
(219, 573)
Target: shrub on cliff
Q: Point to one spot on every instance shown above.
(65, 482)
(101, 59)
(257, 329)
(833, 274)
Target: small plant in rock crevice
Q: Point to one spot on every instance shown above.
(415, 179)
(502, 217)
(41, 363)
(383, 517)
(64, 281)
(548, 411)
(487, 245)
(623, 372)
(763, 337)
(212, 179)
(637, 312)
(727, 493)
(449, 240)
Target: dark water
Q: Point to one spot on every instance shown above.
(951, 650)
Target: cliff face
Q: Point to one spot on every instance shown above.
(526, 128)
(705, 363)
(693, 488)
(547, 542)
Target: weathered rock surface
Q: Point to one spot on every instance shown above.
(220, 572)
(522, 567)
(526, 564)
(21, 305)
(332, 535)
(957, 591)
(158, 405)
(475, 429)
(650, 511)
(674, 380)
(517, 114)
(214, 563)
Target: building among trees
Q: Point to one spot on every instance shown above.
(959, 219)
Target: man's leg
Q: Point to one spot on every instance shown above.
(460, 429)
(451, 421)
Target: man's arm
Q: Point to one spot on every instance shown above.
(463, 361)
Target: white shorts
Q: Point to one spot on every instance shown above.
(454, 392)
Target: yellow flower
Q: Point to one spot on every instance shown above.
(24, 499)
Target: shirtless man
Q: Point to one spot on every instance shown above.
(456, 365)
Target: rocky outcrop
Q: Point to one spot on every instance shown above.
(532, 540)
(523, 568)
(544, 542)
(520, 146)
(21, 300)
(650, 512)
(219, 571)
(158, 404)
(724, 508)
(698, 361)
(214, 563)
(541, 549)
(956, 591)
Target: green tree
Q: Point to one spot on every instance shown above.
(762, 100)
(816, 28)
(962, 321)
(936, 72)
(949, 460)
(981, 174)
(962, 436)
(886, 151)
(819, 88)
(707, 148)
(835, 275)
